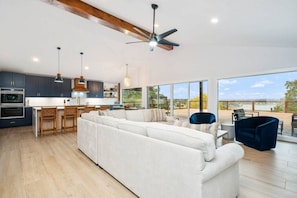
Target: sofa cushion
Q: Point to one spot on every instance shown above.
(95, 112)
(103, 112)
(158, 115)
(147, 115)
(121, 114)
(184, 137)
(134, 127)
(98, 119)
(207, 128)
(110, 121)
(177, 123)
(88, 116)
(135, 115)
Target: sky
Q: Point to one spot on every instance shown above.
(270, 86)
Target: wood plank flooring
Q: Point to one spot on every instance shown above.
(52, 166)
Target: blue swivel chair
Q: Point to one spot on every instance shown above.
(257, 132)
(202, 118)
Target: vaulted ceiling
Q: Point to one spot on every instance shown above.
(34, 28)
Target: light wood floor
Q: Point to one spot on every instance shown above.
(52, 166)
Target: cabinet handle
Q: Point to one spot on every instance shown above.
(12, 122)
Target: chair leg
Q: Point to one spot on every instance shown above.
(41, 126)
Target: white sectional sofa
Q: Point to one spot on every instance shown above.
(160, 160)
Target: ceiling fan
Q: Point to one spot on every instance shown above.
(154, 39)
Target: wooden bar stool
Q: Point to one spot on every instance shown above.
(70, 113)
(47, 115)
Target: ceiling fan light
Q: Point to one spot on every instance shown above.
(59, 78)
(153, 43)
(81, 80)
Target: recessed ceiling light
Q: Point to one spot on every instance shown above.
(86, 67)
(156, 25)
(35, 59)
(214, 20)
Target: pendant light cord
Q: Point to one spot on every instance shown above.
(58, 59)
(81, 63)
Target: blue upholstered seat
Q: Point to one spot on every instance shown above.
(202, 118)
(257, 132)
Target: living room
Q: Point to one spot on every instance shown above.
(244, 42)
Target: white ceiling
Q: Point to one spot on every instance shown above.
(34, 28)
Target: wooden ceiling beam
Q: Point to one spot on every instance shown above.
(92, 13)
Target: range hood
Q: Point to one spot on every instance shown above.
(79, 87)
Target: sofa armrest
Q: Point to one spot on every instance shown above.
(226, 156)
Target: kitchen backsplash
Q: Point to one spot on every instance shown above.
(42, 101)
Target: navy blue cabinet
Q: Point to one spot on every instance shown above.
(60, 89)
(15, 122)
(32, 86)
(10, 79)
(6, 123)
(28, 116)
(37, 86)
(95, 89)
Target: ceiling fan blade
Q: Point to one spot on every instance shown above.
(142, 33)
(163, 35)
(136, 42)
(164, 42)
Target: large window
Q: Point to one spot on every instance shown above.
(132, 97)
(265, 95)
(198, 97)
(180, 99)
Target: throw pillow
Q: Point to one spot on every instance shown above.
(207, 128)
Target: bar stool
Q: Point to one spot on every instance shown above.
(70, 113)
(87, 109)
(48, 114)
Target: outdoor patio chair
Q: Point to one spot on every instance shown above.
(294, 122)
(239, 114)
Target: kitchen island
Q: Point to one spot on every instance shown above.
(36, 116)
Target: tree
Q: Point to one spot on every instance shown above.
(194, 102)
(291, 87)
(291, 95)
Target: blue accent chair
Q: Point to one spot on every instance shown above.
(202, 118)
(257, 132)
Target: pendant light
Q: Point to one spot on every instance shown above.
(59, 78)
(81, 79)
(127, 79)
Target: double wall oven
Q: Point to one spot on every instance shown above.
(12, 103)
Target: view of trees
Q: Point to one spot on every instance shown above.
(132, 97)
(290, 102)
(291, 95)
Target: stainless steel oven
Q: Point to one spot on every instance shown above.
(11, 96)
(12, 103)
(8, 112)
